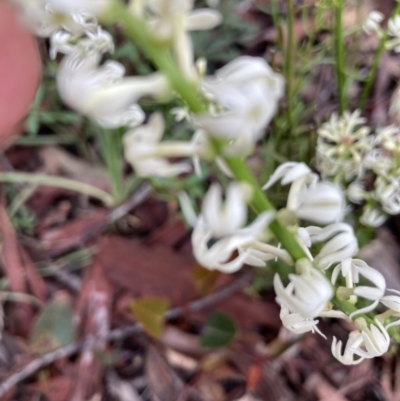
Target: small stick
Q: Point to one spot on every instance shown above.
(119, 334)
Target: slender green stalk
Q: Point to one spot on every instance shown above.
(289, 69)
(111, 149)
(136, 31)
(370, 80)
(60, 182)
(340, 59)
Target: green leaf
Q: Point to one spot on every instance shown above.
(219, 331)
(54, 327)
(150, 312)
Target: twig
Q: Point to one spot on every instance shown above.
(118, 334)
(135, 200)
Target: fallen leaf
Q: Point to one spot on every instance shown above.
(205, 279)
(154, 271)
(150, 312)
(164, 383)
(20, 272)
(92, 317)
(73, 235)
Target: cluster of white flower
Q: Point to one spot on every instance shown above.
(364, 162)
(372, 25)
(220, 241)
(240, 99)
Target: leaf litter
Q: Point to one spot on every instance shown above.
(144, 256)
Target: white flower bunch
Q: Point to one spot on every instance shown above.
(247, 92)
(239, 101)
(342, 145)
(350, 154)
(46, 17)
(372, 25)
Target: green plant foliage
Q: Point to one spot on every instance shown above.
(54, 327)
(219, 331)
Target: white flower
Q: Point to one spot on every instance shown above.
(292, 172)
(319, 202)
(97, 40)
(373, 23)
(322, 203)
(351, 270)
(388, 194)
(394, 32)
(342, 243)
(296, 323)
(102, 93)
(44, 17)
(343, 141)
(389, 138)
(356, 192)
(226, 219)
(375, 338)
(392, 301)
(147, 155)
(348, 356)
(173, 20)
(308, 294)
(372, 217)
(218, 255)
(248, 91)
(258, 253)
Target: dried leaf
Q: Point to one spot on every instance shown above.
(164, 383)
(205, 279)
(150, 312)
(72, 235)
(93, 317)
(154, 271)
(219, 331)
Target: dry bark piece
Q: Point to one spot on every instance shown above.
(93, 319)
(20, 271)
(73, 235)
(164, 383)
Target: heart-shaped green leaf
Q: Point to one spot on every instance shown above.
(219, 331)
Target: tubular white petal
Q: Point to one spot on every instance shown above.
(323, 203)
(143, 150)
(203, 19)
(228, 218)
(347, 358)
(376, 340)
(309, 295)
(288, 172)
(298, 324)
(392, 301)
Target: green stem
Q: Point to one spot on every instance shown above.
(289, 69)
(111, 149)
(137, 33)
(60, 182)
(340, 59)
(375, 65)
